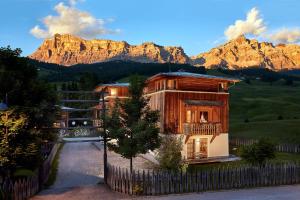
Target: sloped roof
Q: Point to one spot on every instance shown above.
(115, 84)
(193, 75)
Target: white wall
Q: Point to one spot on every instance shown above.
(219, 146)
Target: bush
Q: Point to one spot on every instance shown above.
(258, 153)
(280, 117)
(169, 153)
(246, 120)
(289, 82)
(247, 80)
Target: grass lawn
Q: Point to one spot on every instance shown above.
(280, 158)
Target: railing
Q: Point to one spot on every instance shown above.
(202, 128)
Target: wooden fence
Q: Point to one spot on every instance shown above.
(287, 148)
(21, 189)
(166, 182)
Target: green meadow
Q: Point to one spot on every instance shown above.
(260, 109)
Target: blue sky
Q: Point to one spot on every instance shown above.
(194, 25)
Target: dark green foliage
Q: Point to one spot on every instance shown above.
(247, 80)
(259, 153)
(132, 124)
(31, 99)
(109, 71)
(88, 81)
(289, 81)
(169, 153)
(18, 79)
(280, 117)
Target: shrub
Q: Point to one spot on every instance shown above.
(258, 153)
(246, 120)
(169, 153)
(280, 117)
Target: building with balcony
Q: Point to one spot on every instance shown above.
(192, 106)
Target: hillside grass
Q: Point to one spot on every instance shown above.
(272, 111)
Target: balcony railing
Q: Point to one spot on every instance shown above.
(202, 128)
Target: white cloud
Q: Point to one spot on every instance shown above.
(73, 21)
(285, 35)
(254, 25)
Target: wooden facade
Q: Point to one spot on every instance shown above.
(194, 106)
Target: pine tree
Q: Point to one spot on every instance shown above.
(133, 124)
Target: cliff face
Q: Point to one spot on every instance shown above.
(70, 50)
(243, 53)
(238, 53)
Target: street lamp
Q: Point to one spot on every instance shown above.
(103, 108)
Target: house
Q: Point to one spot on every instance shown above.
(192, 106)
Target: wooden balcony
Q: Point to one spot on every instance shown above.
(202, 128)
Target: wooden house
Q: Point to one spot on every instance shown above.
(194, 107)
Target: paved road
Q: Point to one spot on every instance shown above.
(270, 193)
(79, 174)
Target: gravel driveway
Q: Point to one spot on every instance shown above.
(80, 170)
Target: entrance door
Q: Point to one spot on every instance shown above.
(197, 148)
(191, 149)
(203, 148)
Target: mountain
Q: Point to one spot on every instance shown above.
(238, 53)
(243, 53)
(69, 50)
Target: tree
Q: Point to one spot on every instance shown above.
(12, 153)
(19, 82)
(31, 101)
(132, 124)
(258, 153)
(169, 153)
(88, 81)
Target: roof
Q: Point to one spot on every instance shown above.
(115, 84)
(64, 107)
(193, 75)
(203, 103)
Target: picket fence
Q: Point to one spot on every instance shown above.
(167, 182)
(23, 188)
(287, 148)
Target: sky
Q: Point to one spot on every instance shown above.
(195, 25)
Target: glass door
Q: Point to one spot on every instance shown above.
(190, 149)
(203, 147)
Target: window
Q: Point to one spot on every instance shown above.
(203, 116)
(222, 87)
(113, 91)
(171, 84)
(188, 116)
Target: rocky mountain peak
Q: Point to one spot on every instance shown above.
(242, 53)
(66, 49)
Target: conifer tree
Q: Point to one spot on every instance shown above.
(132, 124)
